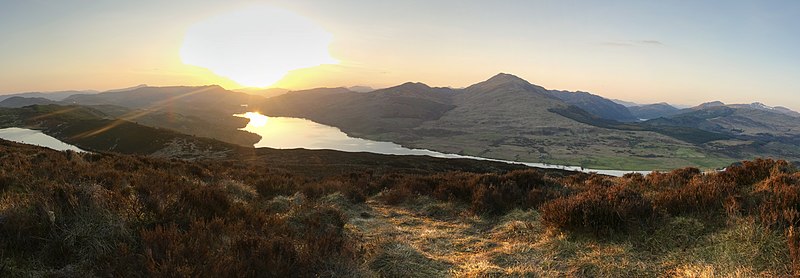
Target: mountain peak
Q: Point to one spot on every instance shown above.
(412, 86)
(505, 81)
(709, 104)
(505, 78)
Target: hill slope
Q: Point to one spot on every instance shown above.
(504, 117)
(596, 105)
(652, 111)
(67, 214)
(93, 130)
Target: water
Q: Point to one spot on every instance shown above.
(35, 137)
(292, 133)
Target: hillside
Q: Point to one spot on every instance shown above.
(204, 111)
(93, 130)
(187, 100)
(54, 96)
(68, 214)
(17, 101)
(394, 109)
(652, 111)
(504, 117)
(596, 105)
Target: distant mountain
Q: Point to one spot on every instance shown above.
(625, 103)
(54, 96)
(268, 92)
(503, 117)
(127, 89)
(761, 106)
(389, 109)
(93, 130)
(17, 101)
(361, 89)
(742, 120)
(207, 98)
(709, 105)
(205, 111)
(652, 111)
(596, 105)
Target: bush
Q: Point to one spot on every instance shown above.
(599, 211)
(701, 194)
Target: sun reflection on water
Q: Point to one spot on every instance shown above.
(256, 119)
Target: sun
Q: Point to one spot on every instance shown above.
(256, 46)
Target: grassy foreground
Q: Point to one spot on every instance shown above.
(71, 214)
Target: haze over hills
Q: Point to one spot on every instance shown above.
(596, 105)
(202, 111)
(54, 96)
(652, 111)
(504, 117)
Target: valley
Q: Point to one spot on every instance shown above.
(504, 117)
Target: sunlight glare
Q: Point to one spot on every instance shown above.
(256, 119)
(256, 46)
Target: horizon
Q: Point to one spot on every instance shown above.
(243, 89)
(640, 52)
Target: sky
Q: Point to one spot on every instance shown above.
(682, 52)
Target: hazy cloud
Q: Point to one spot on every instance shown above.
(653, 42)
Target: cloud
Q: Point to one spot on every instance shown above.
(652, 42)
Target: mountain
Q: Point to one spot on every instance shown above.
(625, 103)
(268, 92)
(93, 130)
(54, 96)
(735, 120)
(761, 106)
(652, 111)
(596, 105)
(179, 97)
(361, 89)
(17, 101)
(127, 89)
(391, 109)
(709, 104)
(504, 117)
(754, 132)
(205, 111)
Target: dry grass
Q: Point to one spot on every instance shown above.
(68, 214)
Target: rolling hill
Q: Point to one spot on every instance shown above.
(504, 117)
(652, 111)
(596, 105)
(93, 130)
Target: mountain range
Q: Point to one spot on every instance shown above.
(504, 117)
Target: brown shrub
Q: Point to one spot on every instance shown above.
(793, 242)
(776, 200)
(397, 195)
(273, 185)
(701, 194)
(599, 211)
(747, 173)
(496, 196)
(674, 179)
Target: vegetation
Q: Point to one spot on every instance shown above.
(686, 133)
(84, 214)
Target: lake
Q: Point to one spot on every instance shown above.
(35, 137)
(294, 133)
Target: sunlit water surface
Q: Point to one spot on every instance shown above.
(35, 137)
(293, 133)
